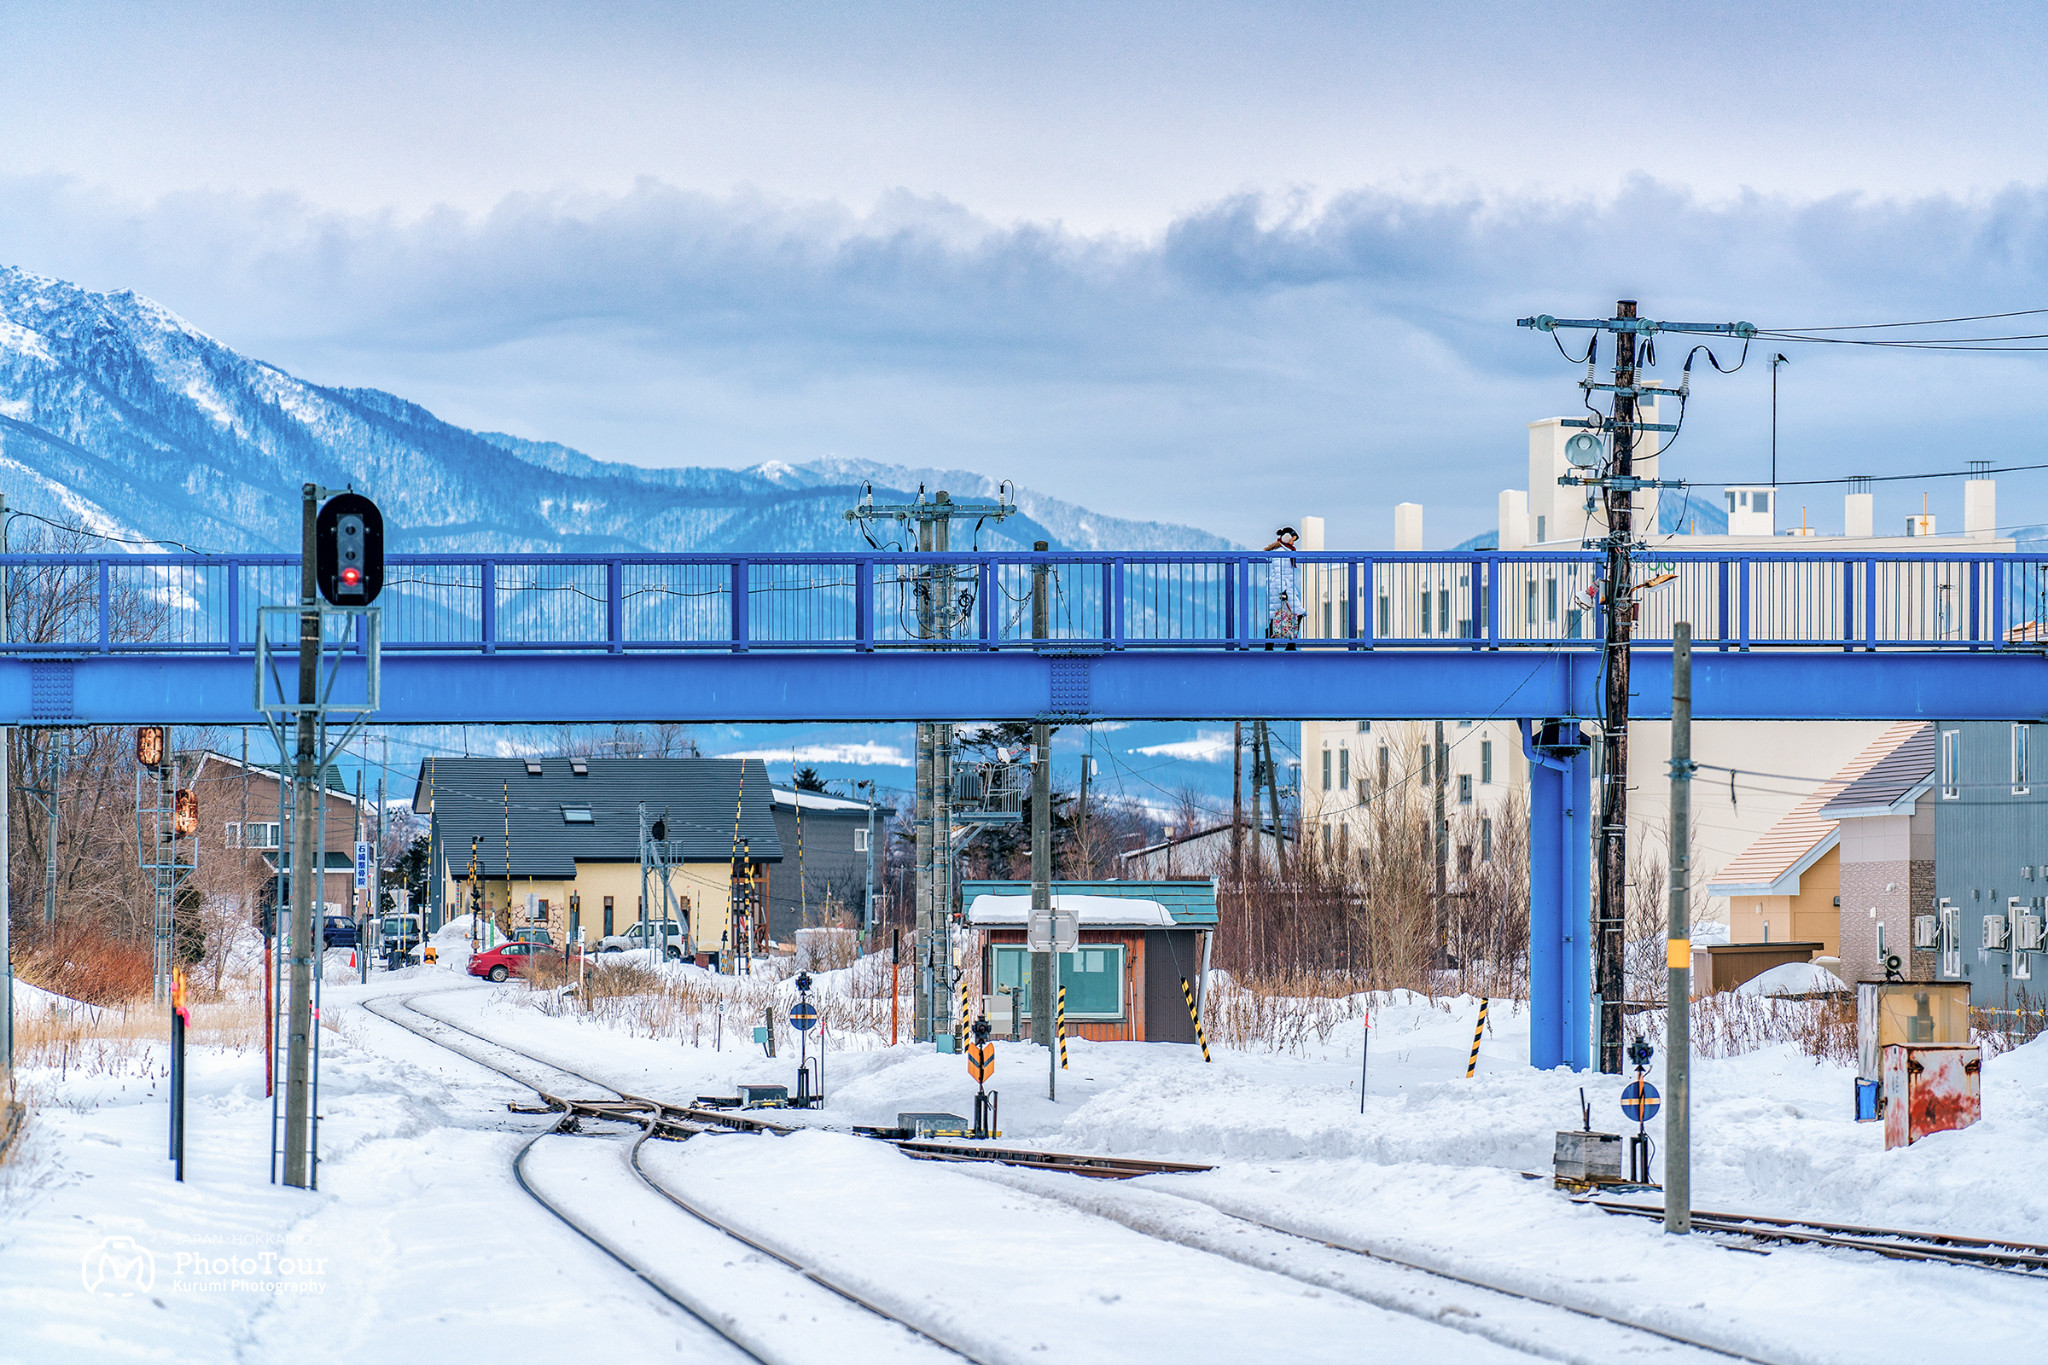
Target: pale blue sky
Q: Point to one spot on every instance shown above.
(1223, 264)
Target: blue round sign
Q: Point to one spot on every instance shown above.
(803, 1014)
(1639, 1100)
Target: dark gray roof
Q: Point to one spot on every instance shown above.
(471, 798)
(1888, 781)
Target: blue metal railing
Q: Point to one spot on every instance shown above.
(1942, 600)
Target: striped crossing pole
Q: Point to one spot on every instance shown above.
(1062, 1019)
(966, 1019)
(1196, 1015)
(1472, 1065)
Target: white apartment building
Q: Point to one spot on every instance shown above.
(1752, 773)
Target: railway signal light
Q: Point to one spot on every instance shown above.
(349, 537)
(149, 746)
(185, 813)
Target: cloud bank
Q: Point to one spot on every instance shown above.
(1260, 358)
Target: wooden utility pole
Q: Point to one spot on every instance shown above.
(305, 868)
(1044, 966)
(1440, 837)
(1610, 928)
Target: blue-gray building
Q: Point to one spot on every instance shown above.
(1991, 862)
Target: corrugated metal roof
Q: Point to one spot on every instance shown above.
(1894, 777)
(472, 797)
(1771, 865)
(1193, 903)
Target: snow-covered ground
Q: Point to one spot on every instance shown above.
(419, 1244)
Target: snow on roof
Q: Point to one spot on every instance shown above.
(1794, 978)
(1771, 866)
(1099, 910)
(786, 797)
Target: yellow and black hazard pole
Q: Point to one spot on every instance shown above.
(1203, 1038)
(1472, 1064)
(966, 1016)
(1061, 1017)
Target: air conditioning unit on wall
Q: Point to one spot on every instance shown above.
(1924, 931)
(1994, 931)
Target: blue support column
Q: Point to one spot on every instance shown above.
(1578, 786)
(1560, 895)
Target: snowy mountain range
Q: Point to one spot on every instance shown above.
(118, 416)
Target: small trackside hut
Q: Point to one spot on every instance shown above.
(1138, 940)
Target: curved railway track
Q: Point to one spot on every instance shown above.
(652, 1118)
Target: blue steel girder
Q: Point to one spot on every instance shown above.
(765, 686)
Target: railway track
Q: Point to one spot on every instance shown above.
(648, 1118)
(2023, 1257)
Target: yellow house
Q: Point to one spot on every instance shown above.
(579, 844)
(1787, 886)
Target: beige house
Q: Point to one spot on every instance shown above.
(557, 842)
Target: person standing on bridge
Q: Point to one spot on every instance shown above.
(1283, 592)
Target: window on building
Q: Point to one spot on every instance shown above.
(1540, 537)
(257, 834)
(1364, 790)
(1486, 761)
(1365, 727)
(1550, 599)
(1427, 751)
(1486, 839)
(1093, 976)
(1532, 601)
(1385, 612)
(1464, 789)
(1464, 860)
(1326, 770)
(860, 841)
(1425, 611)
(232, 838)
(577, 815)
(1383, 767)
(1326, 840)
(1329, 621)
(1760, 502)
(2019, 760)
(1443, 607)
(1344, 769)
(1951, 764)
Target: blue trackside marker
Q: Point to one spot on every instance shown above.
(1639, 1101)
(803, 1015)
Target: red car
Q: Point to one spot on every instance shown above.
(507, 958)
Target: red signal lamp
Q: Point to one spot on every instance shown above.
(352, 577)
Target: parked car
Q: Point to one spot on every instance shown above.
(537, 933)
(648, 933)
(508, 959)
(339, 931)
(399, 934)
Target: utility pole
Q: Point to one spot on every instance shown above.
(944, 600)
(1044, 966)
(1618, 482)
(6, 822)
(1237, 802)
(1262, 756)
(867, 904)
(306, 859)
(1440, 838)
(1678, 949)
(1776, 361)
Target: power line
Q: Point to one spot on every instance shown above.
(102, 535)
(1924, 322)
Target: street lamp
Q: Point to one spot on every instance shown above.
(1776, 361)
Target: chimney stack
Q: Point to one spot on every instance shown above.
(1408, 526)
